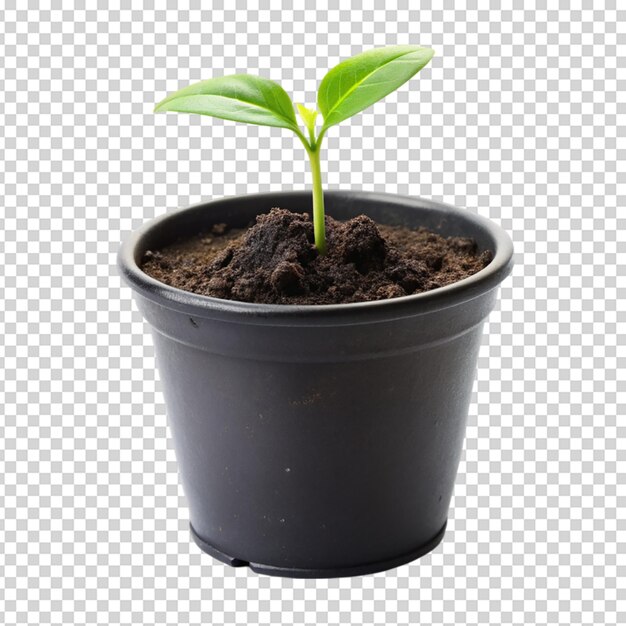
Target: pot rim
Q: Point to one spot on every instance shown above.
(436, 299)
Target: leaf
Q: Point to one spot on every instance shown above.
(362, 80)
(308, 116)
(240, 98)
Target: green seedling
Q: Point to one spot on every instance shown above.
(346, 90)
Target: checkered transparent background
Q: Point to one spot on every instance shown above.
(520, 117)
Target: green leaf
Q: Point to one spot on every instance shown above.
(240, 98)
(359, 82)
(308, 116)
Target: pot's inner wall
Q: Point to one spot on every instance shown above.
(240, 212)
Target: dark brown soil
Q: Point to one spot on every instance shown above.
(275, 261)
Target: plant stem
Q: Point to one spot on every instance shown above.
(318, 199)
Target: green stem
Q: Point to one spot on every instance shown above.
(318, 199)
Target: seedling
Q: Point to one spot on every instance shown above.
(346, 90)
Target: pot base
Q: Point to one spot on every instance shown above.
(295, 572)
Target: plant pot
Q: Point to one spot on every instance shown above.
(318, 441)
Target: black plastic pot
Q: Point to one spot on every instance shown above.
(318, 441)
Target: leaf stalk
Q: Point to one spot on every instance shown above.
(319, 226)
